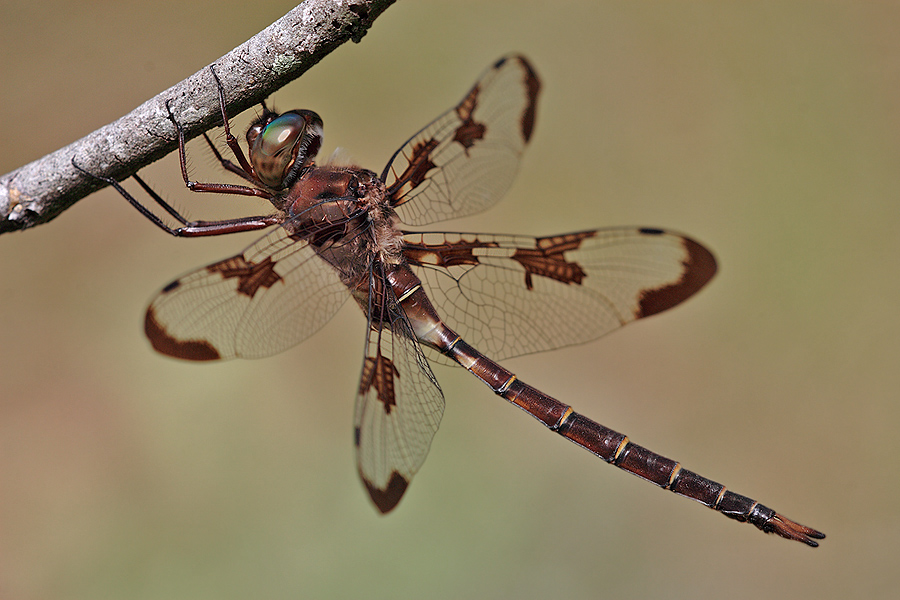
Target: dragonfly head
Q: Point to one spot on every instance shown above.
(281, 146)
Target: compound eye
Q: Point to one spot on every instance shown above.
(281, 134)
(282, 147)
(274, 147)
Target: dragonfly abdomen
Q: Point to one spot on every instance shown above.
(615, 448)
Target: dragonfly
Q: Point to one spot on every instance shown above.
(448, 298)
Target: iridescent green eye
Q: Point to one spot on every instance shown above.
(282, 133)
(275, 149)
(282, 147)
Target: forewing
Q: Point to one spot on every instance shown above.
(513, 295)
(465, 160)
(270, 297)
(398, 408)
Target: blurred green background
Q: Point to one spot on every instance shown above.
(770, 131)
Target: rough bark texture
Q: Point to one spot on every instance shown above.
(41, 190)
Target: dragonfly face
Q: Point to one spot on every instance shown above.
(456, 298)
(282, 146)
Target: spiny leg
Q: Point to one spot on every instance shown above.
(227, 164)
(219, 188)
(232, 142)
(188, 228)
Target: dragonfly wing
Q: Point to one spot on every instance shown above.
(465, 160)
(513, 295)
(270, 297)
(398, 408)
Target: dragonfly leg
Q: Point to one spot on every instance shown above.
(188, 228)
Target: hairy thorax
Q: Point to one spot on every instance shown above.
(342, 213)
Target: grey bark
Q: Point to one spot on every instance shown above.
(41, 190)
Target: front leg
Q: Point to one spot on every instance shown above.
(220, 188)
(188, 228)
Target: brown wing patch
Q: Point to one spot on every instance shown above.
(251, 276)
(387, 498)
(414, 174)
(699, 268)
(166, 344)
(547, 258)
(380, 372)
(469, 131)
(445, 254)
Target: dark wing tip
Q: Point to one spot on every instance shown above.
(532, 85)
(532, 89)
(701, 263)
(699, 268)
(385, 500)
(166, 344)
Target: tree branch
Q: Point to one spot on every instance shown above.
(41, 190)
